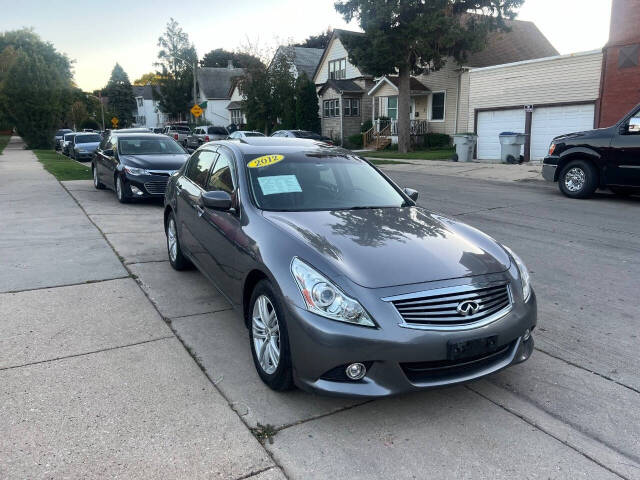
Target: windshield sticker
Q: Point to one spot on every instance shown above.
(279, 184)
(264, 161)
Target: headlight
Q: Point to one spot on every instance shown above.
(324, 298)
(136, 171)
(524, 274)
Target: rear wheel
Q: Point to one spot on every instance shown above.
(269, 339)
(176, 258)
(121, 191)
(578, 179)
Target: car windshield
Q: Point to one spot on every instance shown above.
(305, 134)
(148, 146)
(60, 133)
(305, 182)
(88, 139)
(253, 134)
(217, 131)
(181, 129)
(69, 136)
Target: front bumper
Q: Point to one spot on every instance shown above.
(400, 359)
(549, 168)
(146, 186)
(83, 155)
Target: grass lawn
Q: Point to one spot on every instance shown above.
(63, 168)
(438, 154)
(4, 139)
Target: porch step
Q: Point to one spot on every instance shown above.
(383, 142)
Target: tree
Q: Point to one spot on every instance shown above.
(175, 77)
(283, 90)
(78, 113)
(416, 36)
(35, 80)
(150, 78)
(307, 117)
(120, 94)
(317, 41)
(220, 58)
(258, 103)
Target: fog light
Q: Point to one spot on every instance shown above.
(136, 191)
(356, 371)
(527, 335)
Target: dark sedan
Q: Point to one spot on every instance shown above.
(84, 145)
(136, 165)
(346, 286)
(302, 134)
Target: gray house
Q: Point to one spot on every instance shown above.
(302, 59)
(215, 86)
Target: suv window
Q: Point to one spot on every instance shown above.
(217, 131)
(199, 167)
(221, 176)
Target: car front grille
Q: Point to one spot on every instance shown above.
(439, 309)
(157, 187)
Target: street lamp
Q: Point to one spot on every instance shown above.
(101, 107)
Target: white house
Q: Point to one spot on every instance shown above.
(215, 87)
(234, 108)
(148, 114)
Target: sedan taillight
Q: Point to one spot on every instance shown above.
(175, 135)
(206, 139)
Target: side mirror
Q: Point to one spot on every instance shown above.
(217, 200)
(108, 152)
(634, 125)
(411, 193)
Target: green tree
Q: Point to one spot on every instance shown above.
(317, 41)
(35, 81)
(176, 58)
(258, 102)
(120, 94)
(79, 113)
(414, 36)
(220, 58)
(307, 117)
(283, 90)
(150, 78)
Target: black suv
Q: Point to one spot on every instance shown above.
(604, 158)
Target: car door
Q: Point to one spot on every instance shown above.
(623, 167)
(100, 158)
(218, 231)
(110, 162)
(189, 189)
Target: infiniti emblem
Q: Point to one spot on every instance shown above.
(468, 307)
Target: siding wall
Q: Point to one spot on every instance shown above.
(336, 51)
(572, 78)
(445, 79)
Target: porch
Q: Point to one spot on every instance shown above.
(385, 132)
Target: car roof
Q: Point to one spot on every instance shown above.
(138, 134)
(82, 134)
(275, 145)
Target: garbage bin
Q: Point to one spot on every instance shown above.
(511, 144)
(465, 144)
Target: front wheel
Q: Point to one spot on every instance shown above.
(121, 193)
(269, 339)
(578, 179)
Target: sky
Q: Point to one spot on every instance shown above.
(97, 34)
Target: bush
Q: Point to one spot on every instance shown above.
(366, 126)
(354, 141)
(437, 140)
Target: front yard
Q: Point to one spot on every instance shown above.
(61, 167)
(432, 154)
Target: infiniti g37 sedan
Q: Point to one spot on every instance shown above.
(346, 286)
(136, 165)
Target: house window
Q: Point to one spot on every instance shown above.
(331, 108)
(392, 107)
(437, 106)
(351, 107)
(338, 69)
(236, 117)
(140, 101)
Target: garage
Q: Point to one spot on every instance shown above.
(547, 123)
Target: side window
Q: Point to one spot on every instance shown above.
(199, 167)
(221, 176)
(634, 124)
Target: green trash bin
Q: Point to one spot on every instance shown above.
(465, 145)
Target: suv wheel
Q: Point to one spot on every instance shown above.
(578, 179)
(268, 338)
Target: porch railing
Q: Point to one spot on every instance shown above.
(416, 127)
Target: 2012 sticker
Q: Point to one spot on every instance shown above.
(265, 161)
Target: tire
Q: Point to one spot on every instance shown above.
(121, 190)
(578, 179)
(176, 258)
(96, 183)
(275, 369)
(624, 191)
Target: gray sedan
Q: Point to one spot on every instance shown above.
(346, 286)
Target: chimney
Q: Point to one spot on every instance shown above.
(230, 64)
(625, 17)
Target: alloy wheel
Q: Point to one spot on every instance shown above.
(95, 177)
(265, 332)
(172, 240)
(119, 192)
(575, 179)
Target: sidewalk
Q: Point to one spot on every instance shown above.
(94, 382)
(477, 170)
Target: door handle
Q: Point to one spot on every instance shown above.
(199, 209)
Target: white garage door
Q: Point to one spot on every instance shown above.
(550, 122)
(491, 124)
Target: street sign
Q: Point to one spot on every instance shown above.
(114, 122)
(196, 110)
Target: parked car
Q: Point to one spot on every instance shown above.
(178, 132)
(59, 137)
(136, 165)
(302, 134)
(345, 284)
(245, 134)
(133, 130)
(84, 145)
(67, 143)
(157, 129)
(205, 134)
(604, 158)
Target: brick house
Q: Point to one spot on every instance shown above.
(620, 78)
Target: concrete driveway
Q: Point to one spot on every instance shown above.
(572, 411)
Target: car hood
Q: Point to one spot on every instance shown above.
(585, 134)
(394, 246)
(87, 146)
(155, 162)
